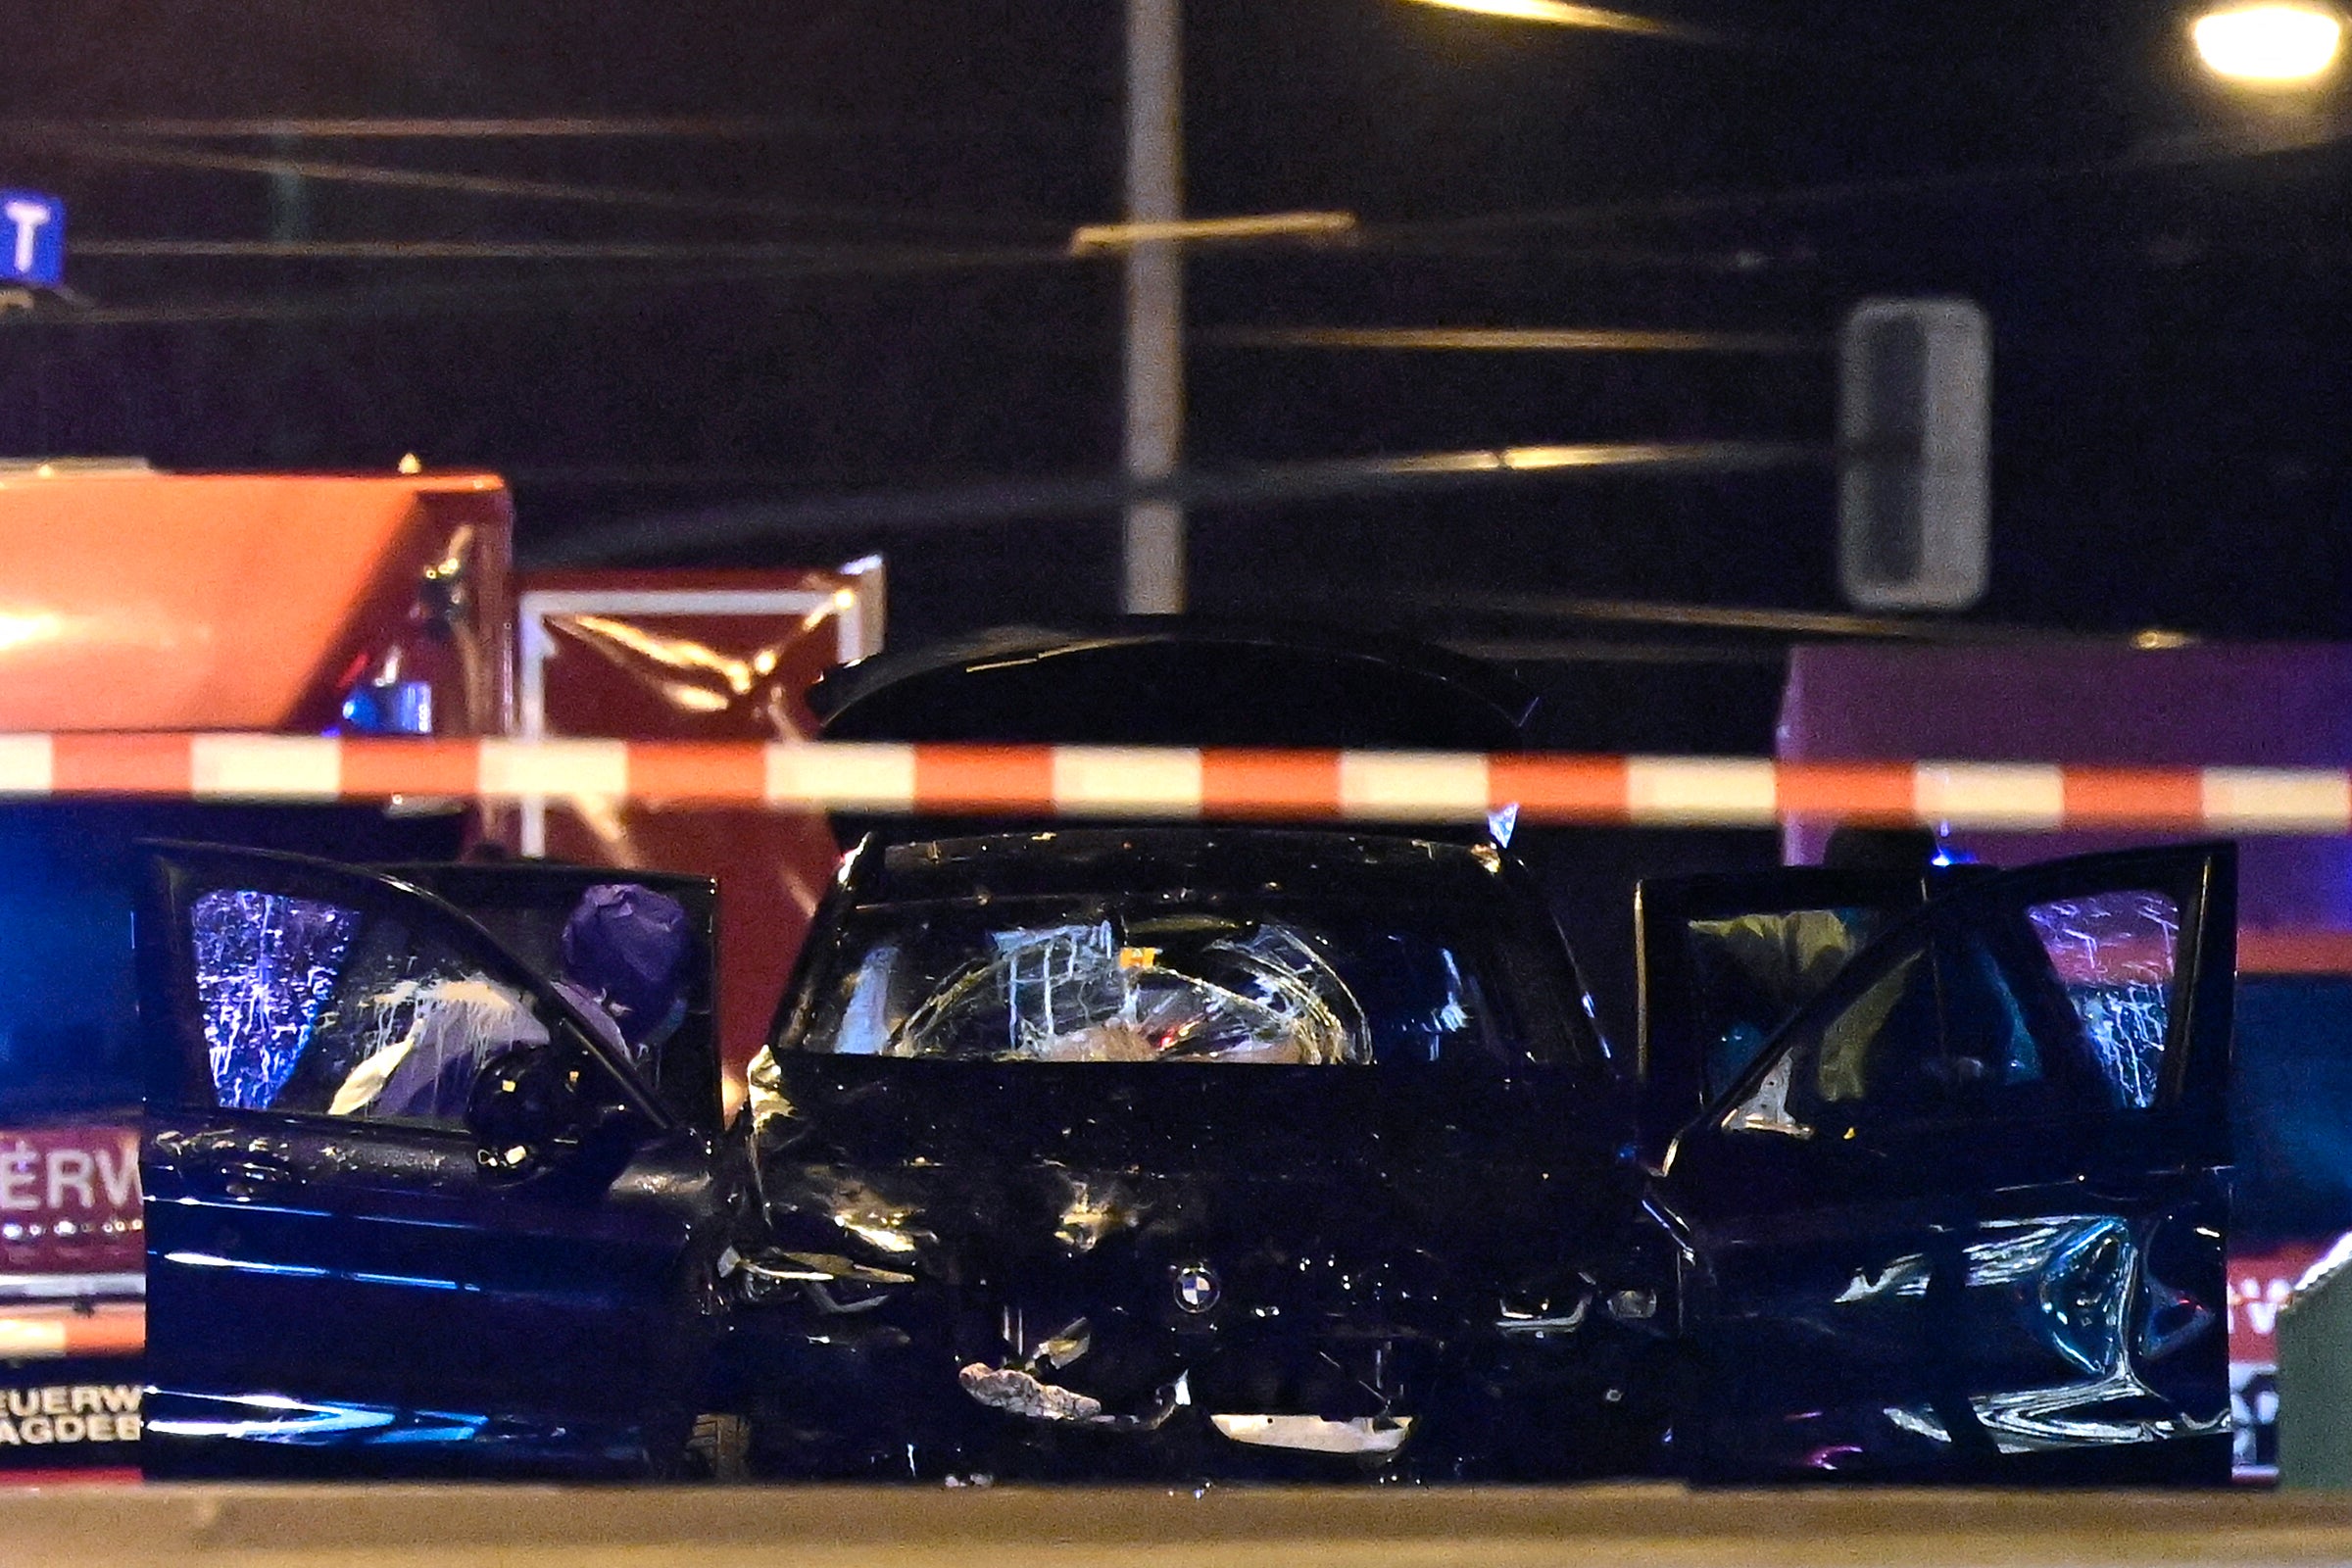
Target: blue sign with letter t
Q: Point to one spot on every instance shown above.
(32, 238)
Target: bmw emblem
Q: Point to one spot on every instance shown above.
(1197, 1287)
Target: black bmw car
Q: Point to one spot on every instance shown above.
(1193, 1150)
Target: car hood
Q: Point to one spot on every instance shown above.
(971, 1169)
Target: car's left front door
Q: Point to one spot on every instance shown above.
(346, 1274)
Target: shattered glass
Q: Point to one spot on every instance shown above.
(1941, 1028)
(264, 963)
(309, 1007)
(422, 1043)
(1105, 983)
(1078, 993)
(2114, 956)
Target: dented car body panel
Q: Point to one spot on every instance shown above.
(1212, 1151)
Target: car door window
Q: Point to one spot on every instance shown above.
(1876, 1048)
(264, 963)
(2059, 1008)
(311, 1006)
(631, 953)
(1747, 972)
(2009, 1051)
(1938, 1032)
(1874, 1056)
(2114, 957)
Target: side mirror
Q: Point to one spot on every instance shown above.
(521, 1103)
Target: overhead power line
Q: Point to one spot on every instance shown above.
(568, 292)
(457, 250)
(1391, 240)
(160, 155)
(1094, 238)
(2157, 156)
(1064, 499)
(560, 126)
(1598, 18)
(625, 127)
(1094, 241)
(683, 251)
(1507, 339)
(612, 127)
(1442, 238)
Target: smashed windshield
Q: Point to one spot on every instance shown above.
(1081, 993)
(1086, 980)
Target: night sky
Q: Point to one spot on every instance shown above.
(863, 292)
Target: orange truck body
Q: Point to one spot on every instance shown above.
(151, 601)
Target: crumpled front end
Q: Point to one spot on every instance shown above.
(1296, 1309)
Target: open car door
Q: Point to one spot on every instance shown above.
(413, 1208)
(1725, 958)
(1961, 1217)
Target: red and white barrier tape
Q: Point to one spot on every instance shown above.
(1079, 781)
(47, 1330)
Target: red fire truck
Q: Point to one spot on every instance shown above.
(359, 605)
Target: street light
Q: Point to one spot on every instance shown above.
(2274, 43)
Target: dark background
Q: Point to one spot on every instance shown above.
(2171, 323)
(864, 292)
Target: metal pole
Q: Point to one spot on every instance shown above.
(1152, 579)
(289, 222)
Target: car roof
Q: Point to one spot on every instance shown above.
(1276, 863)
